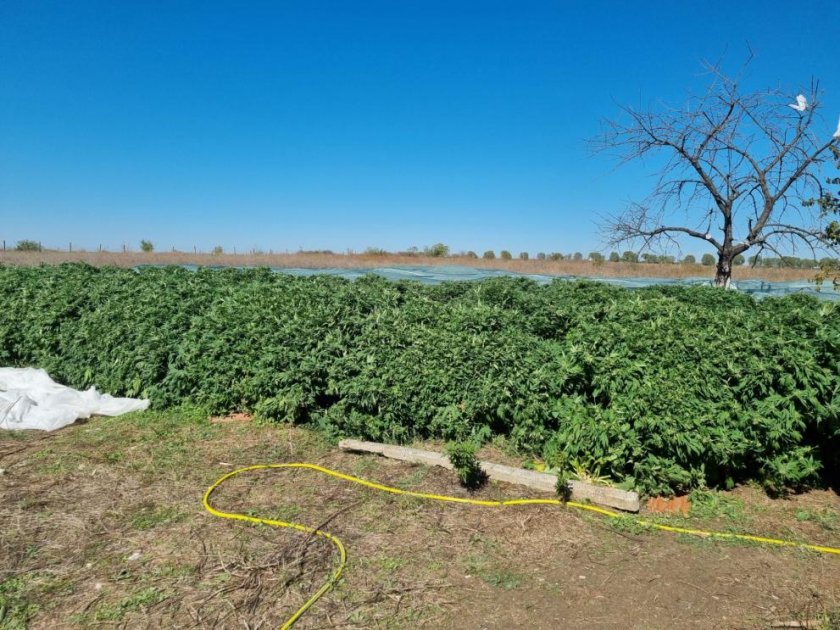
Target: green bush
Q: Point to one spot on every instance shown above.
(438, 250)
(28, 246)
(147, 246)
(690, 260)
(505, 255)
(523, 255)
(654, 388)
(462, 455)
(489, 255)
(614, 257)
(707, 260)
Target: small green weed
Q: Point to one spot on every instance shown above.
(155, 515)
(711, 504)
(463, 458)
(135, 601)
(628, 525)
(825, 518)
(501, 579)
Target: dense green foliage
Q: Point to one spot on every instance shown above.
(666, 388)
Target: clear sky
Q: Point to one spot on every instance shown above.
(348, 124)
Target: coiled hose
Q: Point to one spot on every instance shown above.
(342, 552)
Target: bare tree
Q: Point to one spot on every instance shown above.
(733, 168)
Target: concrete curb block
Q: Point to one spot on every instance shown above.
(581, 491)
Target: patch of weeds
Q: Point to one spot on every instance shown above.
(501, 579)
(825, 518)
(282, 513)
(392, 564)
(481, 565)
(149, 517)
(709, 504)
(16, 610)
(137, 600)
(20, 596)
(113, 457)
(434, 565)
(32, 550)
(363, 466)
(173, 570)
(717, 541)
(215, 581)
(413, 479)
(628, 525)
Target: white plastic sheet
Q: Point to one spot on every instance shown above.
(30, 399)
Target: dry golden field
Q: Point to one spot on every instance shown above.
(320, 260)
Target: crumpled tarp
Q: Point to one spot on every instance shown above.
(30, 399)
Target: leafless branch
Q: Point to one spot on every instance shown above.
(736, 163)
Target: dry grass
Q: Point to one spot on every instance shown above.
(582, 268)
(102, 527)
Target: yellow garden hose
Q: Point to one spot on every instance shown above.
(342, 553)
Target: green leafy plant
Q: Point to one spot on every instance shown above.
(147, 246)
(463, 458)
(27, 245)
(665, 389)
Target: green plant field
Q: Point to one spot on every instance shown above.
(666, 389)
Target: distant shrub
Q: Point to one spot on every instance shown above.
(489, 255)
(146, 246)
(614, 257)
(217, 250)
(555, 256)
(523, 255)
(375, 251)
(577, 256)
(708, 260)
(28, 246)
(438, 250)
(631, 257)
(596, 257)
(505, 255)
(690, 260)
(471, 254)
(541, 256)
(739, 259)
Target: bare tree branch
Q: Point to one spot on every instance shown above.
(740, 161)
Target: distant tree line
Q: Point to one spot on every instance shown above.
(441, 250)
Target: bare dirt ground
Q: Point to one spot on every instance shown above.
(101, 525)
(317, 260)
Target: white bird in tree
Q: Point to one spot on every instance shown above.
(837, 133)
(801, 103)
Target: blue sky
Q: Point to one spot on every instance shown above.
(345, 125)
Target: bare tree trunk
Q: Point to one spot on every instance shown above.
(723, 273)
